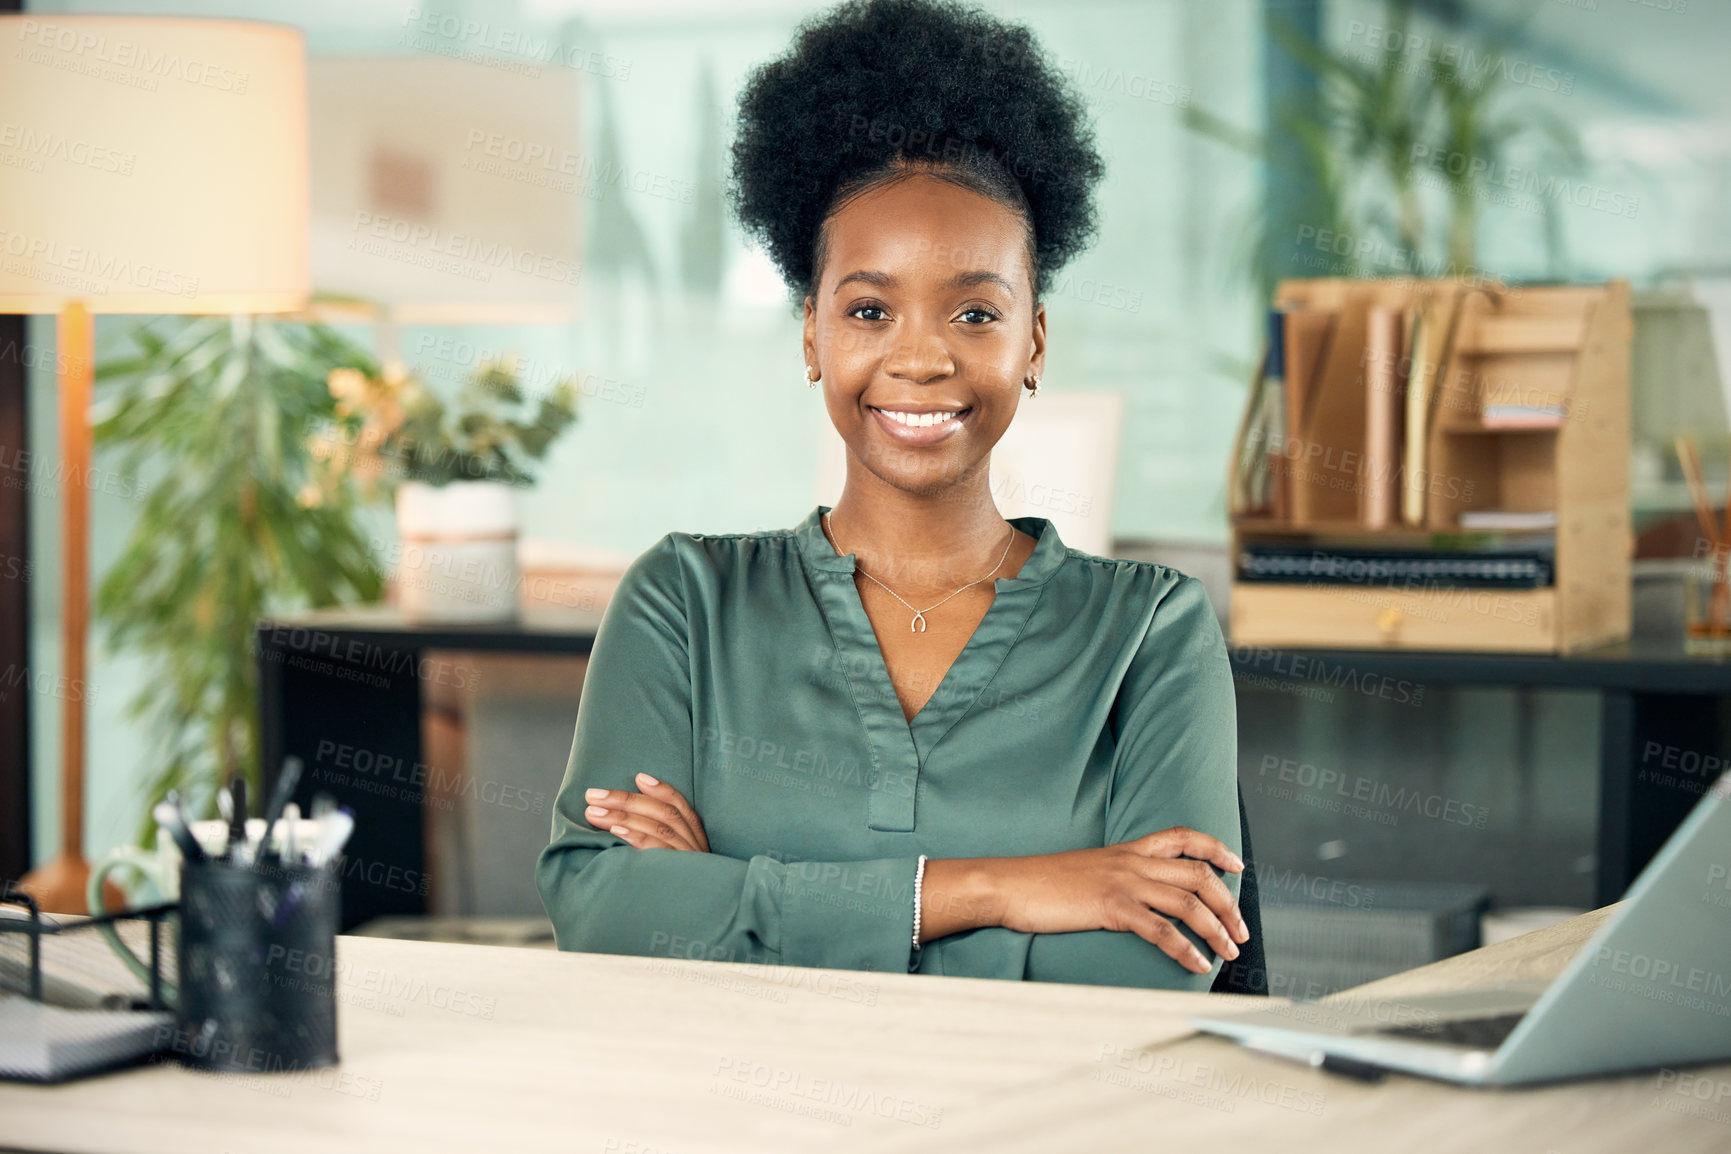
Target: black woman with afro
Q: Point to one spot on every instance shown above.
(908, 734)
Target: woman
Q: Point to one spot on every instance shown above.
(908, 734)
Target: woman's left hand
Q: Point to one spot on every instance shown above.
(657, 818)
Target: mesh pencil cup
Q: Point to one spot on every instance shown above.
(257, 959)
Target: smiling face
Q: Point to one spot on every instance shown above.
(923, 329)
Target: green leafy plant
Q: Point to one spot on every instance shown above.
(241, 519)
(401, 430)
(1380, 116)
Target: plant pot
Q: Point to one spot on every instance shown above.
(457, 552)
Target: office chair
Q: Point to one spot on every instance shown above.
(1248, 972)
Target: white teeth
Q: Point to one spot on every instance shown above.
(919, 420)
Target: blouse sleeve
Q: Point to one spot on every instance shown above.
(1175, 721)
(605, 896)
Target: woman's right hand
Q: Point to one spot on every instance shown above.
(1126, 887)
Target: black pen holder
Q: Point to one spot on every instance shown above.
(257, 967)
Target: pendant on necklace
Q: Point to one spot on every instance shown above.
(918, 624)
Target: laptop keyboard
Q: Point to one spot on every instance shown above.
(1478, 1033)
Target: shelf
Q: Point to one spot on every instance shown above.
(1479, 430)
(1486, 442)
(1373, 617)
(1395, 536)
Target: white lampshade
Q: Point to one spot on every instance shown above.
(152, 165)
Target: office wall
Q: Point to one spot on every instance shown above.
(717, 431)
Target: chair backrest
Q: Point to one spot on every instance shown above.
(1248, 972)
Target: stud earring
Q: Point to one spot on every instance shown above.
(809, 383)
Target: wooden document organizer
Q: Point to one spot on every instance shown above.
(1566, 343)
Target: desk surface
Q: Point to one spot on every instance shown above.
(1639, 665)
(540, 629)
(478, 1048)
(1642, 665)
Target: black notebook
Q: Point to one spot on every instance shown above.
(1408, 568)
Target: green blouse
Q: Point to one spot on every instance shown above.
(1093, 705)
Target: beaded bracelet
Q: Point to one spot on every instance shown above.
(919, 876)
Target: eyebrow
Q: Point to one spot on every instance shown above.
(960, 280)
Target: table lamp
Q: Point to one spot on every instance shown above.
(147, 165)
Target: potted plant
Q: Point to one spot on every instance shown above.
(1384, 124)
(239, 519)
(455, 468)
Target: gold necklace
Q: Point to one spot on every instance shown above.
(918, 624)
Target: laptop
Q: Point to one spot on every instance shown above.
(1651, 988)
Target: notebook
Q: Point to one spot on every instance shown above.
(43, 1043)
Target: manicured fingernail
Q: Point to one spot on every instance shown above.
(1200, 962)
(1236, 860)
(620, 830)
(595, 811)
(647, 780)
(594, 794)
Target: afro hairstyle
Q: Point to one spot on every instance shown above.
(872, 92)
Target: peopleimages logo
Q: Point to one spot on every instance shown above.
(45, 145)
(106, 270)
(1528, 181)
(1662, 980)
(460, 246)
(95, 52)
(1381, 794)
(1420, 54)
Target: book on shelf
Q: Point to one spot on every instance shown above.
(1272, 435)
(1504, 416)
(1326, 424)
(1307, 334)
(1515, 566)
(1384, 411)
(1507, 519)
(1251, 458)
(1279, 410)
(1413, 421)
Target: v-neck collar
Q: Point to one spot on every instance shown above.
(1048, 555)
(899, 747)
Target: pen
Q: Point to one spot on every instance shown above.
(237, 843)
(291, 823)
(169, 816)
(1318, 1059)
(225, 810)
(333, 834)
(285, 787)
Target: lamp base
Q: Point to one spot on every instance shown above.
(58, 887)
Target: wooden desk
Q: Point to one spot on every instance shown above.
(353, 679)
(1663, 719)
(479, 1048)
(1202, 1092)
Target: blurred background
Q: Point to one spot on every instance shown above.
(656, 359)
